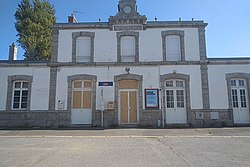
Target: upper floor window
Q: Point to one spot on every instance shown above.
(128, 46)
(173, 50)
(173, 45)
(83, 49)
(83, 46)
(128, 49)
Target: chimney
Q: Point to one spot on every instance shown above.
(72, 19)
(13, 52)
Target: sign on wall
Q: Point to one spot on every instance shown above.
(105, 83)
(151, 98)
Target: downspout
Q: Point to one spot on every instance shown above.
(162, 111)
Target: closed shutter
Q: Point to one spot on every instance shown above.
(83, 48)
(173, 48)
(128, 49)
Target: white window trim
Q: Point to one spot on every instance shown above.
(21, 89)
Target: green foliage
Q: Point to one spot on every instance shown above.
(34, 19)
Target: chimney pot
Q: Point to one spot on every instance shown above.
(72, 19)
(13, 52)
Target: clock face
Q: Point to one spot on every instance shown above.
(127, 9)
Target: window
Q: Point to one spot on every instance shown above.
(19, 92)
(127, 46)
(83, 49)
(241, 83)
(169, 83)
(170, 98)
(20, 95)
(173, 45)
(173, 48)
(243, 98)
(235, 98)
(179, 84)
(128, 49)
(180, 98)
(233, 82)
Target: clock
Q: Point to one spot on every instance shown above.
(127, 9)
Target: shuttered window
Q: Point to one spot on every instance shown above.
(128, 49)
(173, 51)
(83, 49)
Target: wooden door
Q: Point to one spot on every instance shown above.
(128, 107)
(128, 102)
(81, 112)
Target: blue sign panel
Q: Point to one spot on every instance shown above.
(105, 83)
(152, 98)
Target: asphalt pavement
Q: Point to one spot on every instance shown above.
(219, 147)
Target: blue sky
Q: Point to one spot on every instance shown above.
(227, 34)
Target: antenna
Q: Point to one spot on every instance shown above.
(74, 12)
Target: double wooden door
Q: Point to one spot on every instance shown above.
(128, 102)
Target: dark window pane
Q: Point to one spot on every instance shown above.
(25, 93)
(24, 105)
(16, 99)
(24, 99)
(169, 84)
(241, 83)
(179, 84)
(233, 82)
(25, 84)
(17, 84)
(17, 93)
(16, 105)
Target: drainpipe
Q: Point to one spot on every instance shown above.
(102, 108)
(162, 111)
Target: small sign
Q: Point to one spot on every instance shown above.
(151, 98)
(105, 83)
(127, 27)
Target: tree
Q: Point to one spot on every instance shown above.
(34, 19)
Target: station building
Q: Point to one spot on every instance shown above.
(126, 72)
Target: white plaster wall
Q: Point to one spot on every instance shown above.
(65, 46)
(39, 90)
(218, 84)
(105, 46)
(150, 80)
(150, 44)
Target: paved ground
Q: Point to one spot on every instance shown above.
(229, 147)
